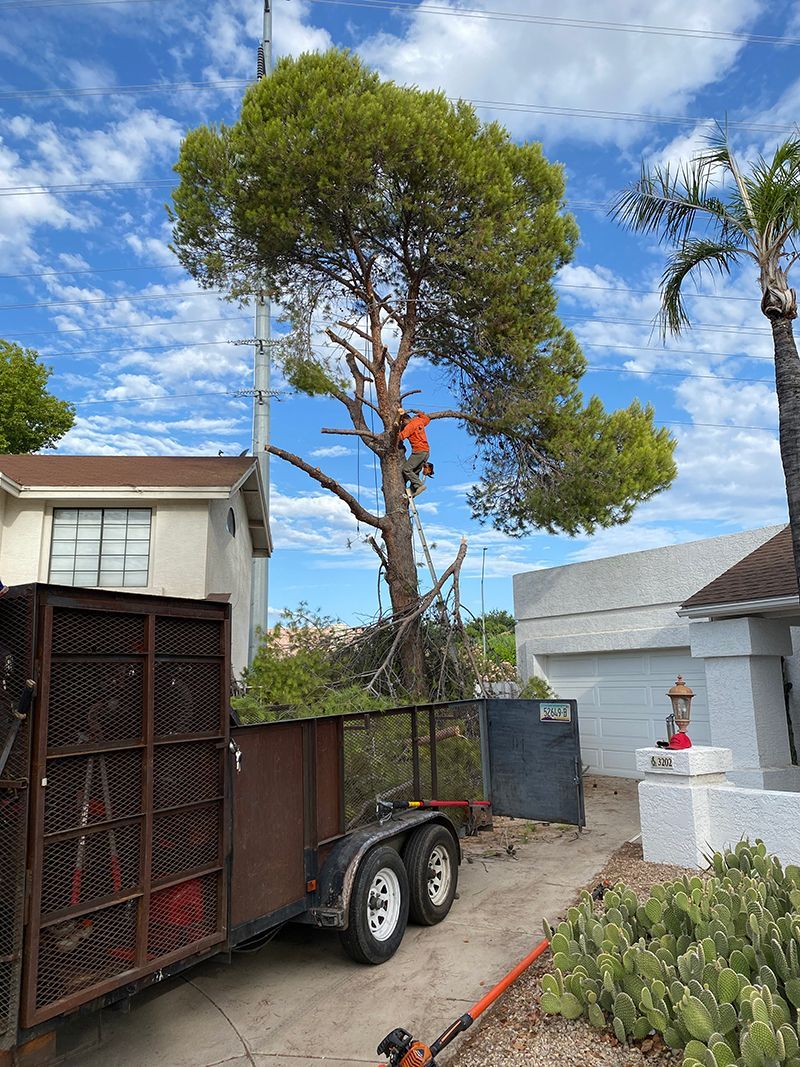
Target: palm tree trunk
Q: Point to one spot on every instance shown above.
(787, 385)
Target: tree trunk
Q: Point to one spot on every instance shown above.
(401, 572)
(787, 385)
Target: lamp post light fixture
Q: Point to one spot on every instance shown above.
(681, 696)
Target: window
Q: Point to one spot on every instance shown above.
(230, 523)
(100, 547)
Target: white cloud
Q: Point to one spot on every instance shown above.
(233, 29)
(332, 452)
(545, 65)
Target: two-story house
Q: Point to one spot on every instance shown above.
(176, 525)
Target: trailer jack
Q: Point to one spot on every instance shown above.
(404, 1051)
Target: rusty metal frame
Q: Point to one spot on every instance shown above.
(142, 963)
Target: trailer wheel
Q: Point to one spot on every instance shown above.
(378, 907)
(431, 859)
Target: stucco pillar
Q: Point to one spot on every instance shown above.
(746, 707)
(674, 807)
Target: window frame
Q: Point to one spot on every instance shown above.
(131, 574)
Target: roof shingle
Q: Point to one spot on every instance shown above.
(766, 573)
(149, 471)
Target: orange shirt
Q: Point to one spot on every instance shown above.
(414, 431)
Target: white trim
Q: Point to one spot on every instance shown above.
(90, 492)
(9, 485)
(780, 604)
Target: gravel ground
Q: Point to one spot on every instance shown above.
(517, 1034)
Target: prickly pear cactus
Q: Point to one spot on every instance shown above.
(712, 964)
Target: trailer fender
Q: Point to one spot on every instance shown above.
(335, 881)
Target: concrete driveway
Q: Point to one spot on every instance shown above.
(300, 1000)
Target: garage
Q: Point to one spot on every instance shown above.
(622, 702)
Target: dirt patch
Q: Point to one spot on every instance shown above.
(516, 1033)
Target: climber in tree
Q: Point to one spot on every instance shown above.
(413, 430)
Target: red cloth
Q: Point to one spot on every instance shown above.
(680, 740)
(414, 431)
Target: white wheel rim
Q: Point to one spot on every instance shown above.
(439, 875)
(383, 904)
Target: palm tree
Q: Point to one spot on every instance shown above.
(714, 217)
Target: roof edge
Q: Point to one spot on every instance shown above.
(741, 607)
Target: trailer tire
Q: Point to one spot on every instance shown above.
(378, 912)
(431, 859)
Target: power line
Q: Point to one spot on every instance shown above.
(622, 116)
(135, 348)
(496, 105)
(88, 270)
(84, 187)
(650, 292)
(676, 374)
(176, 294)
(75, 3)
(548, 20)
(233, 395)
(119, 90)
(129, 326)
(673, 351)
(717, 425)
(712, 327)
(161, 396)
(176, 265)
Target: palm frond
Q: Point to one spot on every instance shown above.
(670, 204)
(774, 188)
(716, 257)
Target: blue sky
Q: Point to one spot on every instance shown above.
(86, 276)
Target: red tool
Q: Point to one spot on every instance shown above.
(404, 1051)
(386, 807)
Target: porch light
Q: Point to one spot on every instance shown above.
(681, 696)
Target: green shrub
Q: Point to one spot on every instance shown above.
(537, 689)
(712, 964)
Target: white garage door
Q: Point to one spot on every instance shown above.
(622, 702)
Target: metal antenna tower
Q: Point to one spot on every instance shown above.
(259, 586)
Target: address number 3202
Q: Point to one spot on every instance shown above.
(661, 761)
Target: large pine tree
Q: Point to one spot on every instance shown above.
(419, 235)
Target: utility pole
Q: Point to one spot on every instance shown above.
(259, 585)
(483, 606)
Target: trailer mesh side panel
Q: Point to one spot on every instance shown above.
(129, 850)
(16, 666)
(432, 751)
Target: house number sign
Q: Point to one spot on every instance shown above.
(554, 712)
(660, 761)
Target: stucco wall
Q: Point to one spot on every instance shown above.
(178, 551)
(228, 569)
(688, 809)
(191, 552)
(22, 539)
(621, 602)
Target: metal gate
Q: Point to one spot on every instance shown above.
(128, 828)
(534, 760)
(16, 666)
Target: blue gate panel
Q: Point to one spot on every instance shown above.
(535, 760)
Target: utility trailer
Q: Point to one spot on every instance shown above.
(141, 832)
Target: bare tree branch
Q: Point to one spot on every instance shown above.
(352, 433)
(351, 348)
(327, 482)
(405, 622)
